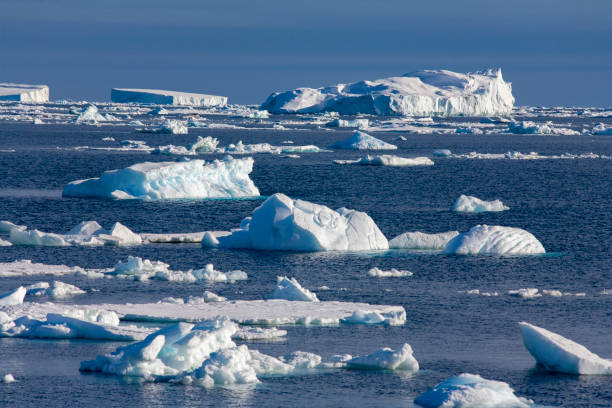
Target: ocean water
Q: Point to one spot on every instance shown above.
(566, 204)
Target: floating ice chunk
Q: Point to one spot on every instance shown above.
(103, 317)
(123, 235)
(392, 273)
(442, 153)
(421, 240)
(497, 240)
(89, 114)
(354, 123)
(168, 126)
(87, 233)
(159, 111)
(56, 290)
(194, 179)
(7, 226)
(471, 390)
(388, 160)
(209, 296)
(259, 114)
(525, 293)
(558, 354)
(387, 359)
(204, 145)
(469, 130)
(527, 127)
(470, 204)
(139, 268)
(24, 93)
(290, 289)
(161, 97)
(258, 333)
(478, 292)
(14, 297)
(363, 141)
(210, 274)
(36, 238)
(421, 93)
(602, 129)
(281, 223)
(4, 243)
(374, 317)
(8, 378)
(135, 123)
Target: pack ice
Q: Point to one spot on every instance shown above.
(494, 240)
(161, 97)
(282, 223)
(24, 93)
(362, 141)
(558, 354)
(420, 93)
(471, 390)
(471, 204)
(193, 179)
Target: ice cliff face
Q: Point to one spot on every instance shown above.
(163, 97)
(420, 93)
(24, 93)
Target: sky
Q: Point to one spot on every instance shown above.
(554, 52)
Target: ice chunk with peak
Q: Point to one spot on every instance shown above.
(290, 289)
(528, 127)
(471, 390)
(422, 240)
(282, 223)
(161, 97)
(89, 114)
(55, 290)
(558, 354)
(387, 359)
(14, 297)
(392, 273)
(24, 93)
(420, 93)
(194, 179)
(168, 126)
(471, 204)
(362, 141)
(87, 233)
(388, 160)
(8, 378)
(495, 240)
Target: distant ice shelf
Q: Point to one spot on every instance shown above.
(24, 93)
(161, 97)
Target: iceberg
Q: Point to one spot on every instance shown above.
(494, 240)
(362, 141)
(442, 153)
(420, 93)
(89, 114)
(392, 273)
(8, 378)
(282, 223)
(471, 390)
(193, 179)
(345, 123)
(529, 128)
(388, 160)
(161, 97)
(422, 240)
(470, 204)
(168, 126)
(24, 93)
(558, 354)
(14, 297)
(387, 359)
(290, 289)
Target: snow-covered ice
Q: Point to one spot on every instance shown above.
(494, 240)
(86, 233)
(558, 354)
(249, 333)
(422, 240)
(27, 268)
(387, 359)
(56, 289)
(527, 127)
(471, 204)
(193, 179)
(282, 223)
(362, 141)
(161, 97)
(89, 114)
(14, 297)
(388, 160)
(471, 391)
(24, 93)
(391, 273)
(290, 289)
(420, 93)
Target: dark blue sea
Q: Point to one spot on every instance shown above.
(566, 204)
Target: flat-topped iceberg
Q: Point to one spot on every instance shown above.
(362, 141)
(282, 223)
(193, 179)
(161, 97)
(290, 289)
(422, 240)
(494, 240)
(388, 160)
(420, 93)
(471, 391)
(24, 93)
(471, 204)
(558, 354)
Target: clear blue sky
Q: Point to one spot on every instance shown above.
(555, 52)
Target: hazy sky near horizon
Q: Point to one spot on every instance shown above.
(554, 52)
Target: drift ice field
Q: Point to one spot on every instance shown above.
(417, 240)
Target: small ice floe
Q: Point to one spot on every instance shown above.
(56, 289)
(494, 240)
(27, 268)
(442, 153)
(290, 289)
(14, 297)
(471, 390)
(362, 141)
(8, 378)
(386, 359)
(469, 130)
(422, 240)
(89, 115)
(247, 333)
(202, 145)
(388, 160)
(527, 293)
(392, 273)
(471, 204)
(168, 126)
(479, 292)
(527, 127)
(558, 354)
(349, 123)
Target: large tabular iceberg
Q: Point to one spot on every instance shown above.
(558, 354)
(362, 141)
(24, 93)
(194, 179)
(471, 390)
(494, 240)
(282, 223)
(471, 204)
(420, 93)
(161, 97)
